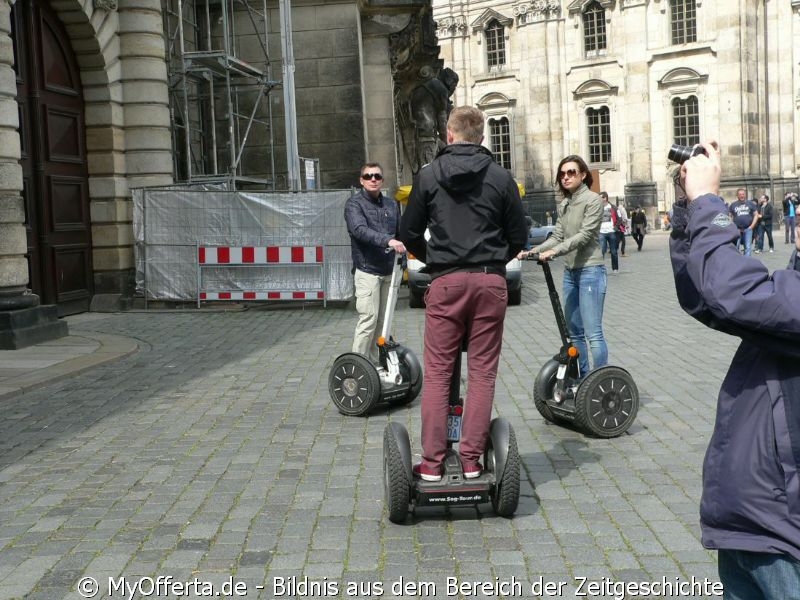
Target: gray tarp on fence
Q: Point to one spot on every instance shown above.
(170, 222)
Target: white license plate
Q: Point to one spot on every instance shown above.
(453, 428)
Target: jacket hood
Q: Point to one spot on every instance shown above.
(459, 168)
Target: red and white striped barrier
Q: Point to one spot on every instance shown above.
(255, 255)
(262, 295)
(261, 256)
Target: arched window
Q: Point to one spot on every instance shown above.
(599, 132)
(594, 29)
(500, 141)
(686, 121)
(683, 19)
(495, 44)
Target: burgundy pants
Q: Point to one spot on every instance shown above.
(459, 305)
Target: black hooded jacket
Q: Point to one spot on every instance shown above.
(472, 208)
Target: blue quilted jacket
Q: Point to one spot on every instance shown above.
(371, 223)
(751, 472)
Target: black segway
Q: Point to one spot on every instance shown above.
(356, 385)
(603, 404)
(498, 483)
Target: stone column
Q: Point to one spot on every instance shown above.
(22, 320)
(134, 150)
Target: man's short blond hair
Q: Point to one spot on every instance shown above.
(466, 124)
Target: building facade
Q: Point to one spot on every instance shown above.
(87, 113)
(619, 81)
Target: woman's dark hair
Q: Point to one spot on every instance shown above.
(584, 168)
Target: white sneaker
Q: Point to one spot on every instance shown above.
(771, 251)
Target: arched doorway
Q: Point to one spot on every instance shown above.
(55, 181)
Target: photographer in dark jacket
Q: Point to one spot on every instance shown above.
(472, 209)
(372, 222)
(750, 508)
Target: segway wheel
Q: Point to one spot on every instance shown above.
(396, 486)
(411, 371)
(354, 385)
(606, 402)
(505, 497)
(543, 387)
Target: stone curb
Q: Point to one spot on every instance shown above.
(110, 348)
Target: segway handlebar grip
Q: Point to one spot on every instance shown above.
(535, 256)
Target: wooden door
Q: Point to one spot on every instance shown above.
(55, 180)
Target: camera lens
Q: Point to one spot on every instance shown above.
(680, 154)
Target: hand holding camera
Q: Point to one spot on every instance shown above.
(700, 168)
(680, 154)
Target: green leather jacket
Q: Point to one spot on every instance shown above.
(576, 236)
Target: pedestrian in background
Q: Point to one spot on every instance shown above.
(576, 238)
(744, 214)
(750, 506)
(472, 209)
(790, 203)
(764, 226)
(622, 226)
(638, 227)
(373, 221)
(609, 232)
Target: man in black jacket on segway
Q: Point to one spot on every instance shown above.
(472, 209)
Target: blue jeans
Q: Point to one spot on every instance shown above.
(610, 241)
(758, 576)
(746, 240)
(584, 295)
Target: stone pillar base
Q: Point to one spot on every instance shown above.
(29, 326)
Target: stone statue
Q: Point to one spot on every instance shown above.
(430, 106)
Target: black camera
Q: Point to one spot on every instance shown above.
(680, 154)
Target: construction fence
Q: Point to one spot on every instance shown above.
(170, 223)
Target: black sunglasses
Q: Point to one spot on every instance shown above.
(375, 176)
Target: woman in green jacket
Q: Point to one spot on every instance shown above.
(576, 239)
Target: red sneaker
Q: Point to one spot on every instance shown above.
(472, 471)
(420, 470)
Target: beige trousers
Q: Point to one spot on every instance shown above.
(371, 294)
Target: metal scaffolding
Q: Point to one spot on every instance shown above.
(220, 80)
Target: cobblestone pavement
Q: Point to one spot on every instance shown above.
(213, 456)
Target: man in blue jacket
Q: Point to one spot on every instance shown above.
(372, 222)
(750, 508)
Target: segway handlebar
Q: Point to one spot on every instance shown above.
(561, 321)
(394, 287)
